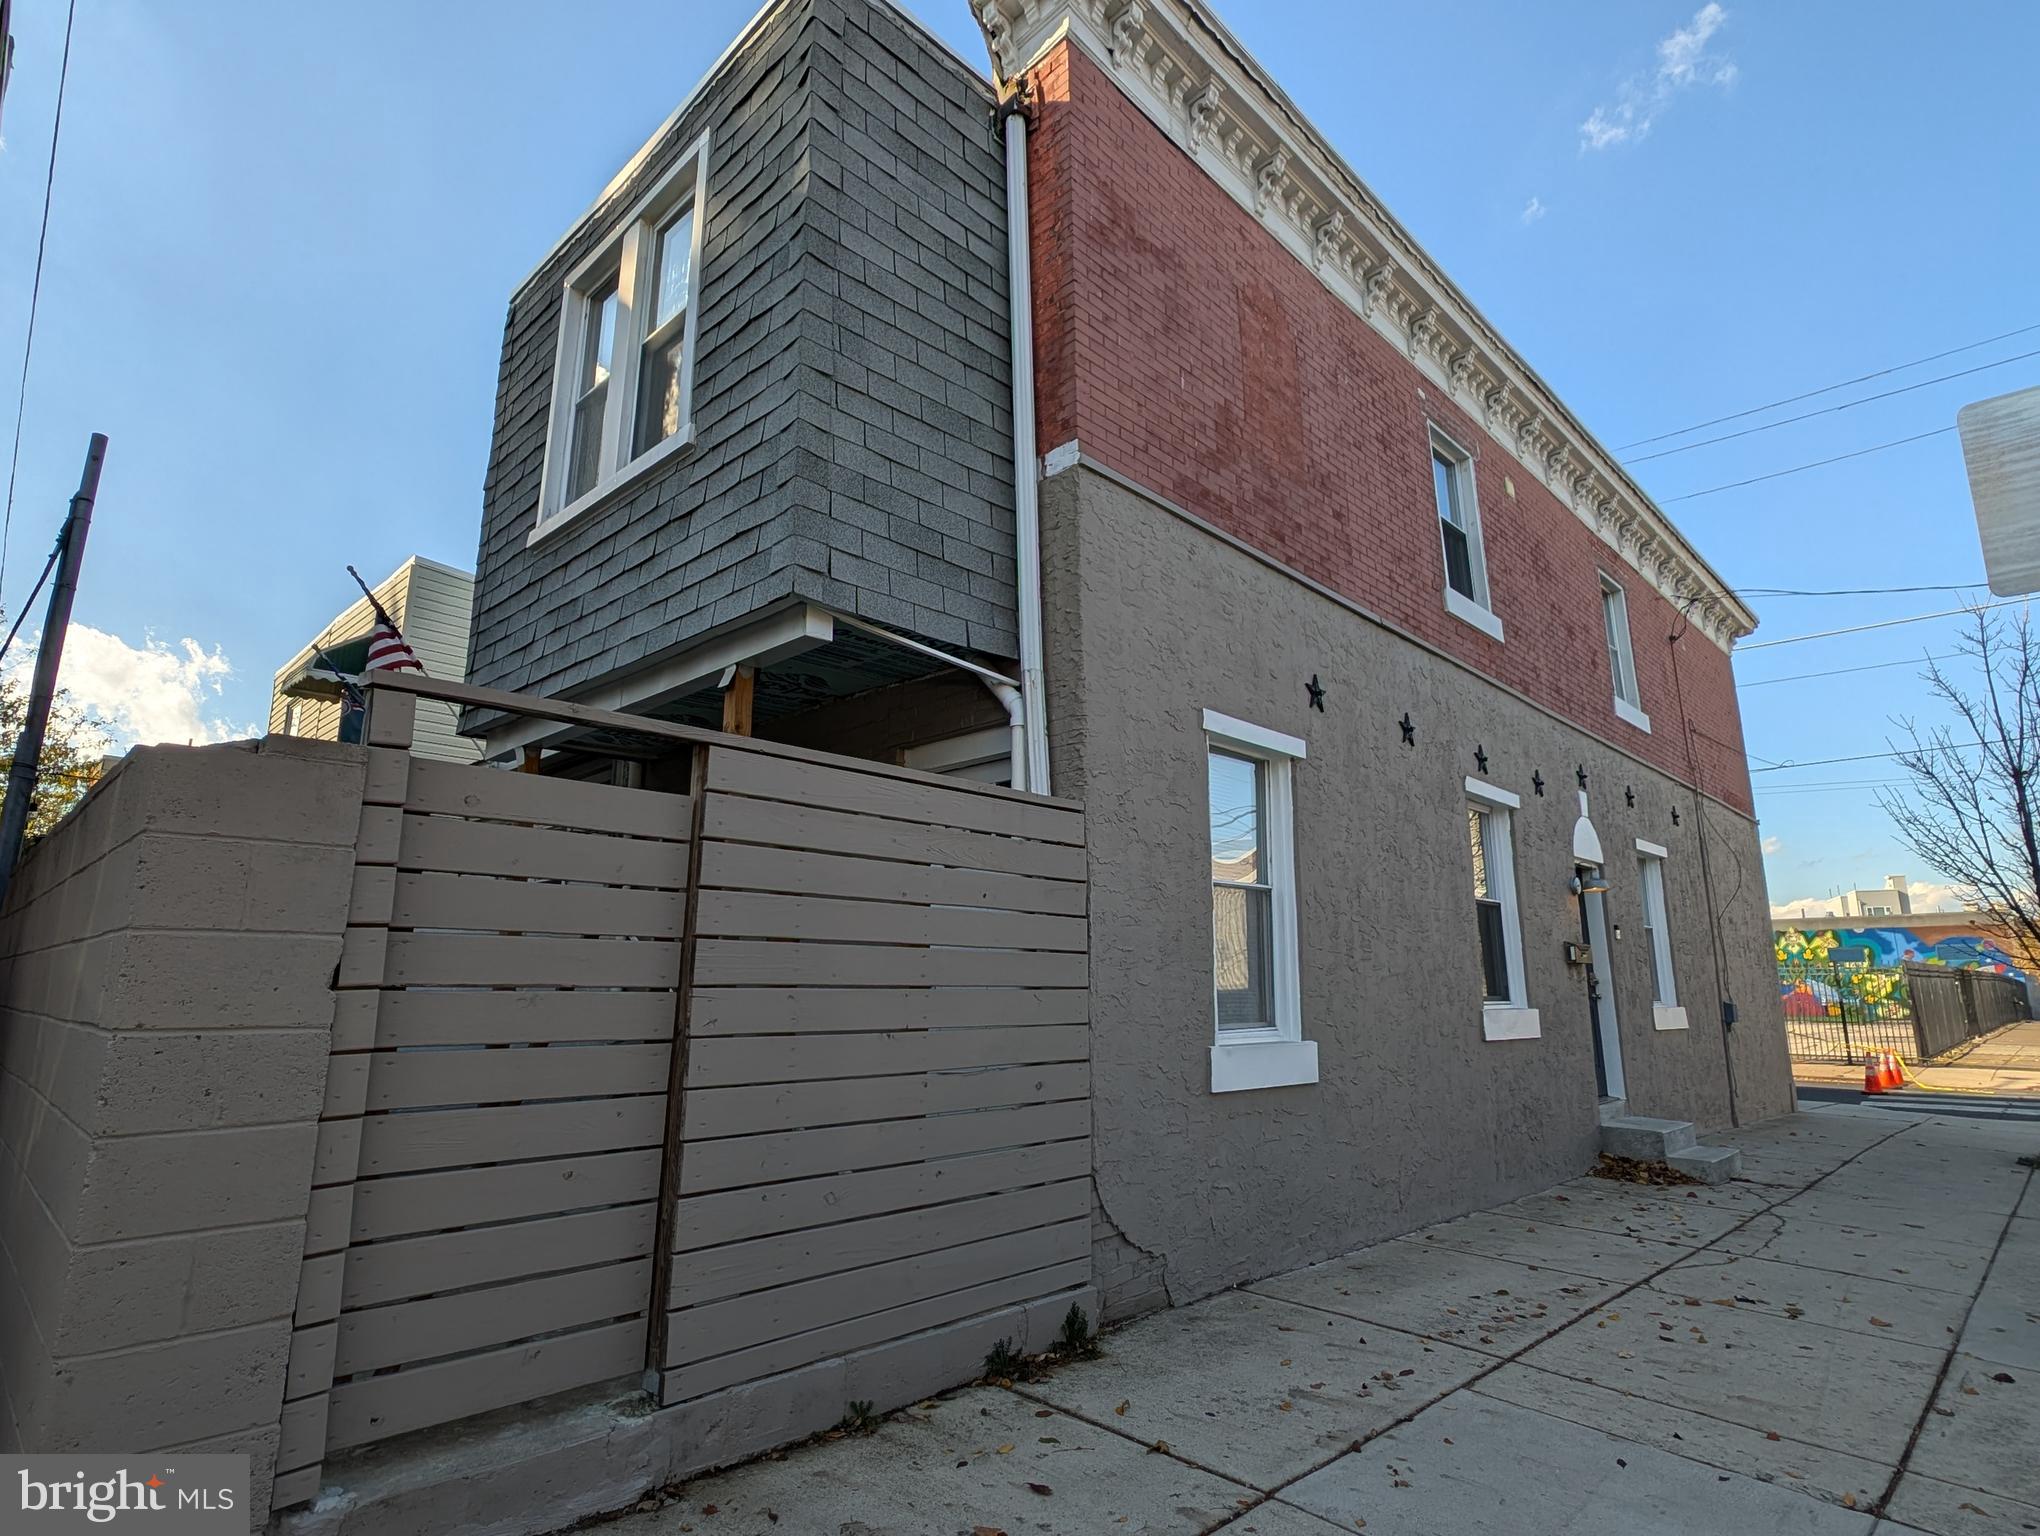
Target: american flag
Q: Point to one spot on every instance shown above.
(388, 650)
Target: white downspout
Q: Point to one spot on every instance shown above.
(1031, 731)
(1001, 688)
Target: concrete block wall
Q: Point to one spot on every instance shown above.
(166, 960)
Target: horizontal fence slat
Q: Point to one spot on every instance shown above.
(779, 1010)
(464, 790)
(450, 1261)
(753, 866)
(733, 818)
(504, 1018)
(694, 1381)
(488, 902)
(471, 1320)
(737, 1268)
(769, 915)
(744, 1160)
(518, 960)
(413, 1079)
(538, 853)
(847, 789)
(427, 1202)
(702, 1221)
(380, 1406)
(696, 1333)
(714, 1112)
(726, 1061)
(743, 962)
(452, 1138)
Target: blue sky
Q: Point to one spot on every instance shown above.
(280, 255)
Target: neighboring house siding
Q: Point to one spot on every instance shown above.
(1179, 343)
(430, 603)
(851, 380)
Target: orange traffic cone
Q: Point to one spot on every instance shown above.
(1897, 1082)
(1873, 1073)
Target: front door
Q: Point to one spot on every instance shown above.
(1601, 1022)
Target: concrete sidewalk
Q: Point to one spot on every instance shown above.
(2006, 1062)
(1851, 1330)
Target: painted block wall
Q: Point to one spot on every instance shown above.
(852, 385)
(1181, 344)
(1417, 1117)
(166, 960)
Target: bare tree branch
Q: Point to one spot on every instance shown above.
(1970, 810)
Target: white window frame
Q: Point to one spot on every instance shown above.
(1622, 677)
(629, 253)
(1477, 610)
(1512, 1018)
(1278, 1056)
(1666, 1013)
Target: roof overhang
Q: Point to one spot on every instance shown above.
(1183, 68)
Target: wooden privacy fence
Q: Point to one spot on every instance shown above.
(815, 1032)
(886, 1110)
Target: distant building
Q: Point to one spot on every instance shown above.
(1891, 899)
(432, 604)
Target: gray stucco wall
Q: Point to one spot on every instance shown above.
(1416, 1117)
(851, 391)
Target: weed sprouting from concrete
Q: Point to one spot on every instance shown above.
(858, 1419)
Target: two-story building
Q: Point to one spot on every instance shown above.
(1095, 428)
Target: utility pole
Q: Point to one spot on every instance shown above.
(49, 654)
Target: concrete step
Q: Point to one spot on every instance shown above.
(1641, 1137)
(1710, 1165)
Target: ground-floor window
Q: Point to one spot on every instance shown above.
(1497, 919)
(1256, 1006)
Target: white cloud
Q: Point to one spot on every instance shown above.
(1683, 61)
(1534, 210)
(147, 693)
(1773, 844)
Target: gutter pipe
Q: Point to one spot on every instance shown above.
(1001, 688)
(1032, 732)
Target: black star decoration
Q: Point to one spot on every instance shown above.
(1580, 773)
(1316, 690)
(1629, 796)
(1480, 758)
(1409, 730)
(1675, 815)
(1537, 782)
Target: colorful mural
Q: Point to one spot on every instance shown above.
(1892, 946)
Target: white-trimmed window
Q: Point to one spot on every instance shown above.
(1621, 659)
(623, 383)
(1506, 1013)
(1257, 1011)
(1466, 583)
(1657, 936)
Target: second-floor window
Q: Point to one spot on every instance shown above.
(1621, 659)
(623, 385)
(1466, 583)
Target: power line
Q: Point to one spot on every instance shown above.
(1779, 474)
(1861, 757)
(35, 292)
(1948, 586)
(1827, 389)
(1829, 410)
(1875, 666)
(1857, 629)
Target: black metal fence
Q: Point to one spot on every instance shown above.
(1951, 1006)
(1836, 1012)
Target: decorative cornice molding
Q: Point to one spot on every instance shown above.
(1179, 64)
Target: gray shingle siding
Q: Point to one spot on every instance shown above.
(851, 395)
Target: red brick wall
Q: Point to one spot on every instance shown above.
(1186, 348)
